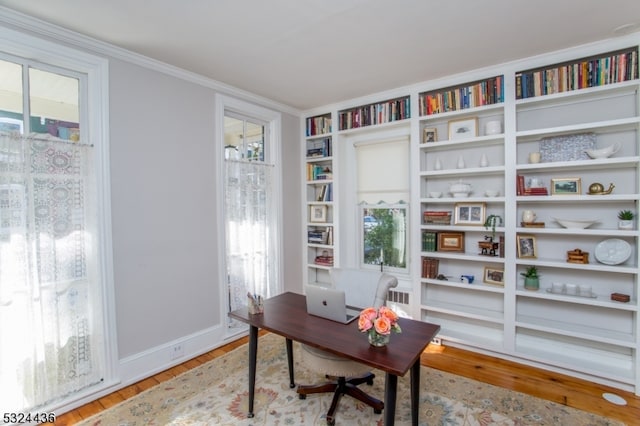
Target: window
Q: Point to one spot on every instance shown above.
(54, 261)
(384, 233)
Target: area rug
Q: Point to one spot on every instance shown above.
(216, 393)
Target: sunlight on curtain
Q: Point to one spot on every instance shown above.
(48, 276)
(250, 221)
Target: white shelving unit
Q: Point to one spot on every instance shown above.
(590, 337)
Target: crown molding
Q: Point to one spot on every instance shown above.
(25, 23)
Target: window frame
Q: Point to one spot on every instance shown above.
(361, 234)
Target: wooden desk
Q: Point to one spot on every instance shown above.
(287, 316)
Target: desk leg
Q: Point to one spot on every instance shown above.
(289, 343)
(390, 388)
(415, 392)
(253, 357)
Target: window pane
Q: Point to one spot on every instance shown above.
(11, 97)
(54, 105)
(384, 231)
(243, 139)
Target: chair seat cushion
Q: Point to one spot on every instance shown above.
(333, 365)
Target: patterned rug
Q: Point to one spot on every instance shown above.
(216, 394)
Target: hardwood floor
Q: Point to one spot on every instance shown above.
(555, 387)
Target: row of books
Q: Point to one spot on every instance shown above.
(320, 125)
(367, 115)
(319, 148)
(319, 172)
(325, 193)
(435, 217)
(521, 189)
(320, 236)
(610, 68)
(430, 267)
(429, 241)
(486, 92)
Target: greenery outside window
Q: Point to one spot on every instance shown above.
(384, 235)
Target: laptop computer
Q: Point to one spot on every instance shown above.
(329, 303)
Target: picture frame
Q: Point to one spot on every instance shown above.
(566, 186)
(463, 128)
(470, 213)
(429, 134)
(318, 213)
(493, 276)
(451, 241)
(527, 247)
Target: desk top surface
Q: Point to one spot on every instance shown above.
(286, 315)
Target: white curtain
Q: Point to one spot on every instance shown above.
(250, 231)
(49, 290)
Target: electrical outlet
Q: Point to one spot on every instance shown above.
(436, 341)
(177, 351)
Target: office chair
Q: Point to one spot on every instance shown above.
(362, 289)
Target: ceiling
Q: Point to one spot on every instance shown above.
(309, 53)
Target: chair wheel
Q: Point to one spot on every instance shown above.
(302, 396)
(370, 382)
(331, 421)
(377, 411)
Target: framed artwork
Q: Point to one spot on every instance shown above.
(429, 134)
(318, 213)
(470, 213)
(566, 186)
(493, 276)
(527, 246)
(451, 241)
(465, 128)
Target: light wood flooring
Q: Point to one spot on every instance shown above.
(562, 389)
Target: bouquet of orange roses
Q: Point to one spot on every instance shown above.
(379, 323)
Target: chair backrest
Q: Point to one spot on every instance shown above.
(363, 288)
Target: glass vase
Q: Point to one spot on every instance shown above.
(378, 340)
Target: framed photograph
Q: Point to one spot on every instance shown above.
(470, 213)
(451, 241)
(465, 128)
(527, 246)
(429, 134)
(318, 213)
(493, 276)
(566, 186)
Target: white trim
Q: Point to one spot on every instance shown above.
(59, 34)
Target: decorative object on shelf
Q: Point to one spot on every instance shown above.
(493, 276)
(430, 267)
(528, 216)
(620, 297)
(531, 278)
(527, 246)
(491, 193)
(567, 148)
(613, 251)
(625, 219)
(437, 165)
(484, 161)
(435, 217)
(534, 157)
(463, 128)
(604, 152)
(469, 213)
(566, 186)
(451, 241)
(582, 290)
(577, 256)
(488, 247)
(435, 194)
(318, 213)
(460, 164)
(493, 127)
(467, 279)
(378, 324)
(429, 134)
(491, 222)
(460, 189)
(576, 223)
(532, 224)
(597, 188)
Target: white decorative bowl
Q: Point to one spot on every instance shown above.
(576, 223)
(460, 189)
(435, 194)
(604, 152)
(491, 193)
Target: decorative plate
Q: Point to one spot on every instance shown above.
(613, 251)
(576, 223)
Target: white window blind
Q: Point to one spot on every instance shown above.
(383, 171)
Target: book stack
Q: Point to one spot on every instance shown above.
(325, 193)
(319, 148)
(316, 172)
(521, 189)
(317, 237)
(319, 125)
(324, 260)
(437, 217)
(430, 267)
(429, 241)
